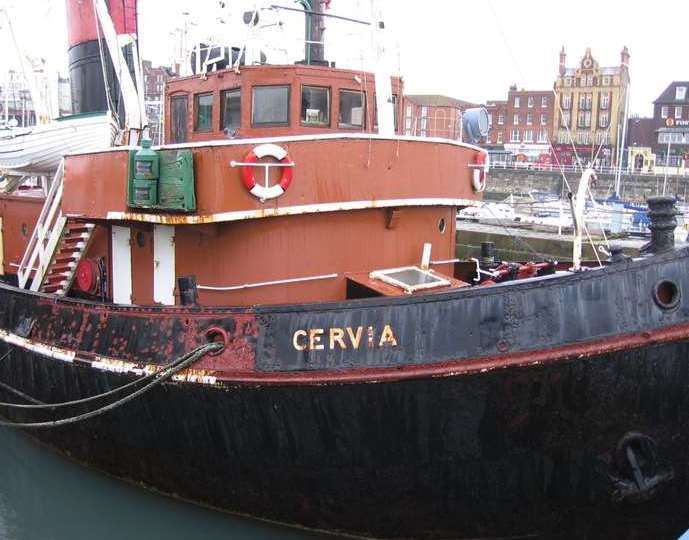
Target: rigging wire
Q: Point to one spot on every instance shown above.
(559, 108)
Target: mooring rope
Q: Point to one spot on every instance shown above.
(42, 405)
(159, 377)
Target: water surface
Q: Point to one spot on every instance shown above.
(44, 496)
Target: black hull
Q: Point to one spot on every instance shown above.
(514, 452)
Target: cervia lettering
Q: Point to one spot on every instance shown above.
(319, 339)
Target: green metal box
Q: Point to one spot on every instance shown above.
(174, 189)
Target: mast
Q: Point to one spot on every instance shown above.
(620, 155)
(384, 99)
(314, 50)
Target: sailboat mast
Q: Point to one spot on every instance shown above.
(620, 157)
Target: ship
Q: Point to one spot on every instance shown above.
(266, 316)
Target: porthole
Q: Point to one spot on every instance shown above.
(442, 225)
(666, 294)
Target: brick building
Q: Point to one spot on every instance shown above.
(591, 106)
(154, 94)
(528, 124)
(497, 116)
(641, 135)
(434, 116)
(671, 126)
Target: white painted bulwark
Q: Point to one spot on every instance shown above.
(121, 265)
(164, 264)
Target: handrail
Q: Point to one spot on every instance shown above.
(659, 170)
(48, 221)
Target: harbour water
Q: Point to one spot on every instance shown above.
(44, 496)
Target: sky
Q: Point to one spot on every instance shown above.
(469, 50)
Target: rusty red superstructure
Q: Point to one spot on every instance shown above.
(267, 316)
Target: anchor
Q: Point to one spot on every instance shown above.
(641, 477)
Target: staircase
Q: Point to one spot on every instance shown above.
(56, 245)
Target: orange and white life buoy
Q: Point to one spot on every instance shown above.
(480, 167)
(250, 163)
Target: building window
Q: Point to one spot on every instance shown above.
(514, 136)
(499, 139)
(568, 81)
(515, 120)
(352, 106)
(680, 92)
(270, 106)
(517, 102)
(664, 111)
(584, 119)
(585, 102)
(231, 112)
(490, 119)
(678, 113)
(604, 100)
(544, 119)
(203, 107)
(543, 136)
(566, 101)
(604, 119)
(528, 136)
(530, 102)
(565, 118)
(315, 106)
(544, 101)
(589, 80)
(529, 119)
(606, 80)
(501, 119)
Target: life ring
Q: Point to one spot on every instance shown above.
(248, 171)
(480, 167)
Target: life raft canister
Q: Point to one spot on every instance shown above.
(248, 171)
(480, 167)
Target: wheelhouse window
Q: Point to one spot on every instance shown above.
(352, 108)
(231, 112)
(315, 106)
(203, 106)
(270, 106)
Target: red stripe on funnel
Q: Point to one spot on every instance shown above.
(81, 21)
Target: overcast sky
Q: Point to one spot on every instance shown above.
(468, 50)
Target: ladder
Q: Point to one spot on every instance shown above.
(56, 246)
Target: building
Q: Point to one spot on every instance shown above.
(671, 126)
(528, 124)
(434, 116)
(16, 106)
(591, 103)
(155, 79)
(641, 136)
(497, 115)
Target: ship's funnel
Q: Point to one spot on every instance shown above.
(475, 123)
(88, 62)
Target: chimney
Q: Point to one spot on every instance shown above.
(563, 61)
(85, 67)
(624, 57)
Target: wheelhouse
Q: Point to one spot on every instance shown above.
(261, 101)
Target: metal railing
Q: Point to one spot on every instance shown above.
(45, 236)
(574, 169)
